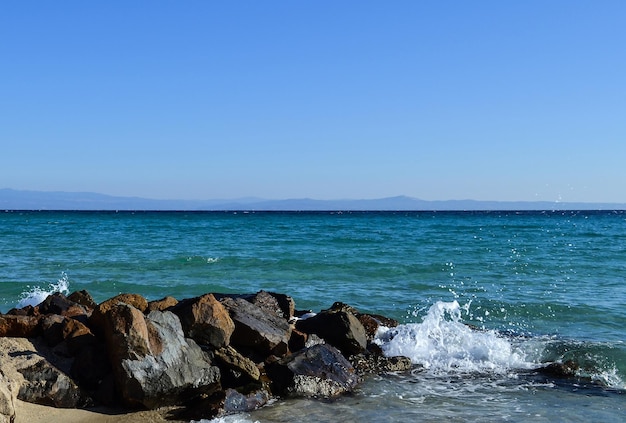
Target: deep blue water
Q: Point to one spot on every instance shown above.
(544, 286)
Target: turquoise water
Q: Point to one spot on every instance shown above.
(541, 286)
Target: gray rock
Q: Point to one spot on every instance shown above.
(153, 362)
(339, 328)
(37, 375)
(265, 333)
(320, 371)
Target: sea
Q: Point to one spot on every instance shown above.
(483, 298)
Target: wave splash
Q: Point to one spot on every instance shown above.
(35, 295)
(442, 343)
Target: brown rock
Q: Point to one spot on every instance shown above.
(205, 320)
(96, 321)
(162, 304)
(153, 363)
(19, 326)
(83, 298)
(243, 369)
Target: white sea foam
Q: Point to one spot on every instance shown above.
(35, 295)
(442, 343)
(235, 418)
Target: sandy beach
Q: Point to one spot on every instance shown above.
(32, 413)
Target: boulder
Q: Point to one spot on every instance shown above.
(19, 326)
(339, 328)
(320, 371)
(237, 370)
(205, 320)
(162, 304)
(58, 303)
(371, 323)
(379, 364)
(38, 376)
(28, 310)
(83, 298)
(280, 304)
(228, 401)
(45, 384)
(153, 363)
(262, 332)
(57, 329)
(96, 321)
(8, 398)
(566, 369)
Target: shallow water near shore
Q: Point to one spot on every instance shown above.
(536, 287)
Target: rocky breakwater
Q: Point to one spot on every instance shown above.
(206, 356)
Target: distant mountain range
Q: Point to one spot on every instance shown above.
(11, 199)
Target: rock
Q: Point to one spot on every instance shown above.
(279, 304)
(18, 326)
(58, 303)
(236, 402)
(96, 321)
(29, 310)
(371, 323)
(153, 363)
(228, 401)
(562, 370)
(162, 304)
(57, 329)
(379, 364)
(242, 369)
(47, 385)
(338, 328)
(320, 371)
(8, 398)
(83, 298)
(90, 368)
(205, 320)
(264, 333)
(38, 375)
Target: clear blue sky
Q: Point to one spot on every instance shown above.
(489, 100)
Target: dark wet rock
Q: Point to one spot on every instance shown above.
(562, 370)
(371, 323)
(153, 363)
(225, 402)
(337, 327)
(162, 304)
(19, 326)
(320, 371)
(205, 320)
(265, 333)
(241, 370)
(379, 364)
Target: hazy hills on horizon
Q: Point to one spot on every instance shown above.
(11, 199)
